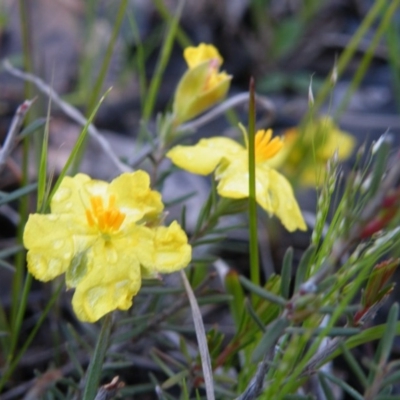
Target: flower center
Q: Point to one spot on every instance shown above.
(107, 219)
(265, 148)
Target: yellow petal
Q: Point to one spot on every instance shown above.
(51, 244)
(141, 242)
(234, 184)
(283, 202)
(171, 250)
(273, 192)
(339, 141)
(113, 280)
(134, 197)
(234, 180)
(203, 52)
(205, 156)
(68, 197)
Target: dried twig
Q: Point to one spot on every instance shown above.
(16, 123)
(255, 387)
(70, 111)
(109, 390)
(237, 100)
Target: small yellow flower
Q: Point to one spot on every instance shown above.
(307, 152)
(105, 238)
(229, 159)
(202, 85)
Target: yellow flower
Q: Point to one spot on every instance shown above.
(307, 152)
(229, 159)
(105, 238)
(202, 85)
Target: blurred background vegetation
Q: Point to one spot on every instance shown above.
(344, 52)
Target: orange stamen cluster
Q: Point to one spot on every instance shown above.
(266, 148)
(106, 219)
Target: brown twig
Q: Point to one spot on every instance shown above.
(16, 123)
(237, 100)
(70, 111)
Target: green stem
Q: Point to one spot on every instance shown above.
(20, 314)
(365, 62)
(254, 267)
(349, 51)
(162, 63)
(17, 284)
(98, 86)
(10, 367)
(96, 364)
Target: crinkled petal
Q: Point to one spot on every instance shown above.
(283, 202)
(171, 250)
(69, 198)
(111, 283)
(273, 192)
(134, 197)
(52, 242)
(234, 182)
(205, 156)
(141, 243)
(203, 52)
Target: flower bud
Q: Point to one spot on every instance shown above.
(202, 85)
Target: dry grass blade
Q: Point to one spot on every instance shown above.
(201, 339)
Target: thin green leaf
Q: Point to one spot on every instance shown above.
(286, 274)
(343, 385)
(326, 388)
(333, 332)
(15, 360)
(32, 128)
(205, 210)
(354, 366)
(386, 343)
(381, 158)
(16, 194)
(93, 374)
(234, 288)
(42, 174)
(254, 315)
(161, 363)
(273, 298)
(214, 299)
(211, 240)
(162, 63)
(76, 148)
(304, 265)
(6, 265)
(175, 379)
(72, 353)
(10, 251)
(391, 379)
(272, 333)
